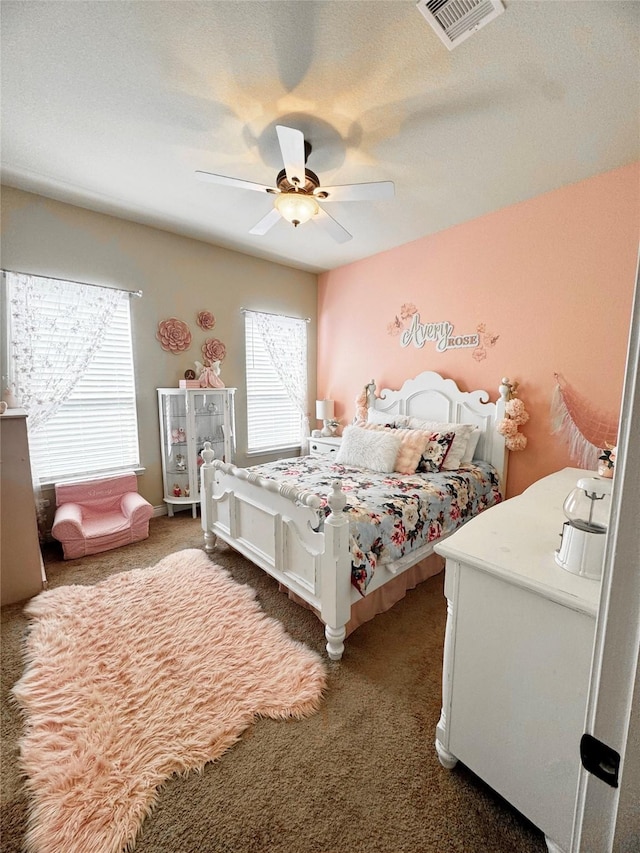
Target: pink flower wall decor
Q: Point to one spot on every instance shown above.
(408, 310)
(395, 327)
(399, 322)
(174, 335)
(486, 340)
(206, 320)
(213, 350)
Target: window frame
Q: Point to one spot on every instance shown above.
(290, 443)
(125, 444)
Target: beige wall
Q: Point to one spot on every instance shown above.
(178, 277)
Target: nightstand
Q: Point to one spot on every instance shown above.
(324, 446)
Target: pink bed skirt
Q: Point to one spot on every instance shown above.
(386, 596)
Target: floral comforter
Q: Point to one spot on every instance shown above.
(392, 514)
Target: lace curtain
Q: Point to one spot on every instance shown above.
(55, 328)
(286, 343)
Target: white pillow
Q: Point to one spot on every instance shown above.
(401, 421)
(374, 416)
(420, 450)
(462, 433)
(472, 443)
(364, 448)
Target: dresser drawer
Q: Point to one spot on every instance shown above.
(324, 446)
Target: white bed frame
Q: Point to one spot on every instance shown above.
(274, 525)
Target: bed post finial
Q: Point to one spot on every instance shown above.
(364, 401)
(370, 392)
(206, 506)
(505, 389)
(207, 454)
(336, 499)
(501, 460)
(335, 606)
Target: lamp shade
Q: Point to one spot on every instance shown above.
(296, 207)
(325, 410)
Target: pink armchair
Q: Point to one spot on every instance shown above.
(97, 515)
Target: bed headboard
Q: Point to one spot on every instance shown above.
(431, 397)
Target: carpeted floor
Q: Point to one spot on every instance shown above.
(361, 776)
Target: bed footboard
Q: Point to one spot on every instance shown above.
(278, 528)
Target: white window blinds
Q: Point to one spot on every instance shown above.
(276, 372)
(94, 429)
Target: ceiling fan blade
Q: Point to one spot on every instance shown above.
(266, 222)
(224, 180)
(376, 191)
(292, 147)
(331, 226)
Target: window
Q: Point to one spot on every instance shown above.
(78, 339)
(276, 369)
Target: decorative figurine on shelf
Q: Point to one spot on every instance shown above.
(175, 436)
(180, 462)
(330, 428)
(606, 461)
(209, 375)
(177, 493)
(186, 492)
(182, 436)
(10, 398)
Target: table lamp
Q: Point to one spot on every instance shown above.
(325, 411)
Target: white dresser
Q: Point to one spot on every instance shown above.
(517, 655)
(21, 568)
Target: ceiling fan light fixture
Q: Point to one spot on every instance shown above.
(296, 207)
(298, 201)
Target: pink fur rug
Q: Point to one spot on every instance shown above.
(152, 672)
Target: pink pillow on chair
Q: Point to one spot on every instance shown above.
(97, 515)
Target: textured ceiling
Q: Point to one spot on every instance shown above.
(113, 106)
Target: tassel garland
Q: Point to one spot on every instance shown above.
(584, 430)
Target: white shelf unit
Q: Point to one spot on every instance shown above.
(188, 418)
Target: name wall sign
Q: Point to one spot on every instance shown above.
(419, 334)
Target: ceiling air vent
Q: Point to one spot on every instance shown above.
(456, 20)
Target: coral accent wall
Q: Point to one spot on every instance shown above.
(551, 279)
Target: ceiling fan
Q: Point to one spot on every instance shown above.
(298, 194)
